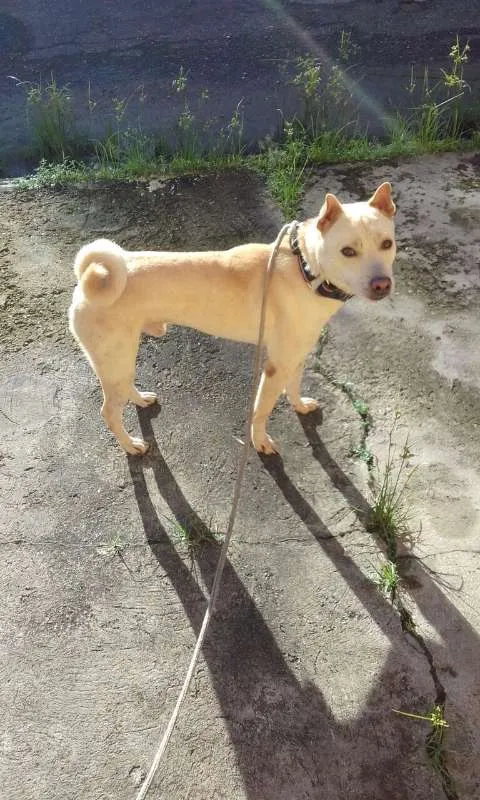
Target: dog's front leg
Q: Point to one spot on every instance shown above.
(273, 380)
(302, 405)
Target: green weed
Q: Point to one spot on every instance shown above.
(325, 92)
(360, 450)
(125, 149)
(435, 717)
(317, 135)
(435, 123)
(435, 744)
(387, 579)
(54, 174)
(390, 513)
(283, 166)
(130, 152)
(192, 535)
(51, 119)
(198, 136)
(362, 453)
(114, 547)
(184, 165)
(188, 141)
(231, 134)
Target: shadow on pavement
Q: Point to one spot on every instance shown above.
(287, 743)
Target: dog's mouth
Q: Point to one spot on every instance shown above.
(333, 292)
(375, 297)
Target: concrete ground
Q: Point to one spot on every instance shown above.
(238, 51)
(100, 600)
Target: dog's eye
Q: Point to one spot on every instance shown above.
(386, 244)
(349, 252)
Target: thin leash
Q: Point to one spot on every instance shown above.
(223, 552)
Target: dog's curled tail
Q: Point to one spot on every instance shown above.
(101, 272)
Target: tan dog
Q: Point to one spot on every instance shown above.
(347, 250)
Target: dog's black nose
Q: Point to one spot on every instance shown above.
(380, 287)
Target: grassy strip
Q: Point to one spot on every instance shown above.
(72, 171)
(283, 166)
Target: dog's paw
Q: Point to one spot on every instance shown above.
(264, 444)
(145, 399)
(136, 447)
(306, 405)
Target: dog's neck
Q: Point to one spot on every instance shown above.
(300, 237)
(305, 234)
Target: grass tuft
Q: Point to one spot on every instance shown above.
(435, 745)
(193, 535)
(283, 166)
(387, 579)
(114, 547)
(54, 174)
(361, 449)
(51, 119)
(390, 513)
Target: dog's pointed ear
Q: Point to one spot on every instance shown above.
(329, 213)
(382, 200)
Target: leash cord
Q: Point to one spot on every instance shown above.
(223, 552)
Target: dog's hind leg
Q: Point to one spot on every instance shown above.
(302, 405)
(114, 401)
(115, 367)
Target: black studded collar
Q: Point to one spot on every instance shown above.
(325, 288)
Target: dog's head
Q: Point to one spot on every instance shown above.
(355, 244)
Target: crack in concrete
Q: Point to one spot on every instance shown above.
(434, 743)
(435, 749)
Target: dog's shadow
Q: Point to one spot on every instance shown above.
(287, 743)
